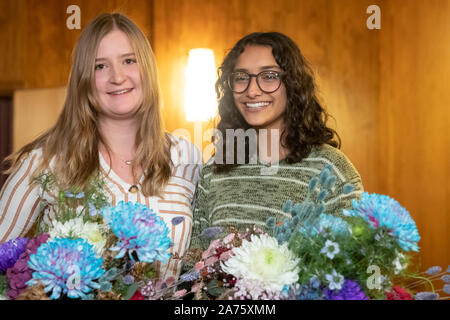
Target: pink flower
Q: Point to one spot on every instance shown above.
(211, 260)
(211, 249)
(225, 255)
(228, 238)
(180, 293)
(199, 266)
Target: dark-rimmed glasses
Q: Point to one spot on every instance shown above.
(267, 81)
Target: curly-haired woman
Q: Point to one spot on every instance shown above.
(271, 139)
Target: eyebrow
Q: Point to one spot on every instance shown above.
(262, 68)
(122, 56)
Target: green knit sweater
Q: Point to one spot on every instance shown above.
(244, 197)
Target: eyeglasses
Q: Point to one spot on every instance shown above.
(267, 81)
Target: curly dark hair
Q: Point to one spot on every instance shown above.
(305, 119)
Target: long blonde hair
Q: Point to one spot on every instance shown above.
(73, 142)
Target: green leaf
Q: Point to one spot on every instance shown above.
(214, 289)
(131, 291)
(105, 286)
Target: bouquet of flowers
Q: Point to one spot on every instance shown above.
(107, 254)
(361, 254)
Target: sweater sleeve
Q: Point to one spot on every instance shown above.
(19, 200)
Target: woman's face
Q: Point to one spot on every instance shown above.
(260, 110)
(117, 77)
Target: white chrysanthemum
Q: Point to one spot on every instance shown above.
(264, 260)
(76, 228)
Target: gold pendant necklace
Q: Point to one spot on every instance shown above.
(133, 189)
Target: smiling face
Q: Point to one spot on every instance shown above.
(260, 110)
(117, 77)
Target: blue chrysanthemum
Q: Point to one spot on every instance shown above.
(383, 211)
(139, 230)
(66, 266)
(326, 223)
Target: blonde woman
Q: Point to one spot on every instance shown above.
(111, 125)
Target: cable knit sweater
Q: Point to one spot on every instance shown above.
(244, 197)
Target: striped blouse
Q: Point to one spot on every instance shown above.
(19, 201)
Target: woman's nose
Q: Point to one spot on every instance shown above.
(118, 75)
(253, 88)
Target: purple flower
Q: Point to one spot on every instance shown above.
(177, 220)
(191, 276)
(10, 252)
(425, 295)
(433, 270)
(350, 291)
(211, 232)
(128, 279)
(20, 273)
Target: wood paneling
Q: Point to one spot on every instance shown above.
(37, 45)
(414, 118)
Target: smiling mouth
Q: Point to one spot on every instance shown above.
(257, 104)
(120, 92)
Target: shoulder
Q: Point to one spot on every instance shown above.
(30, 160)
(184, 151)
(330, 155)
(22, 174)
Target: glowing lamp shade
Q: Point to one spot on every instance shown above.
(200, 102)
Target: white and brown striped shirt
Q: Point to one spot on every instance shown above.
(19, 201)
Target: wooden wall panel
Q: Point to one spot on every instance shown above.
(414, 118)
(38, 45)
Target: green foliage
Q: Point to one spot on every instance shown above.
(3, 284)
(362, 248)
(121, 288)
(214, 289)
(320, 188)
(131, 289)
(74, 202)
